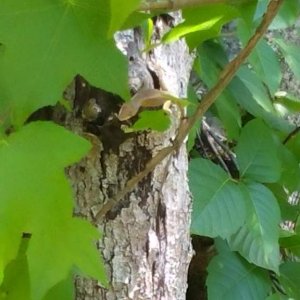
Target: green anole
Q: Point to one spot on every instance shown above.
(148, 98)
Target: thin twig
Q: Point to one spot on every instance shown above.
(225, 78)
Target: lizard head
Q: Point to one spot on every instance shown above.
(127, 111)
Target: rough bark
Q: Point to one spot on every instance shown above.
(146, 243)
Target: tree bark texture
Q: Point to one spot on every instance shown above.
(146, 241)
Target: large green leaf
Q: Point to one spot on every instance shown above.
(202, 23)
(36, 199)
(290, 278)
(45, 44)
(120, 10)
(257, 153)
(219, 206)
(230, 277)
(257, 240)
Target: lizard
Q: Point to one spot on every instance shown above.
(148, 98)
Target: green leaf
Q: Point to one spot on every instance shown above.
(257, 153)
(277, 296)
(16, 284)
(135, 19)
(257, 240)
(256, 88)
(290, 278)
(62, 290)
(293, 143)
(36, 198)
(291, 243)
(211, 59)
(157, 120)
(60, 39)
(266, 64)
(291, 55)
(287, 16)
(263, 59)
(245, 89)
(230, 277)
(288, 102)
(219, 208)
(246, 99)
(288, 211)
(229, 114)
(201, 23)
(290, 171)
(120, 10)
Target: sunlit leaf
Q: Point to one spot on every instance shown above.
(201, 23)
(45, 44)
(120, 10)
(157, 120)
(33, 181)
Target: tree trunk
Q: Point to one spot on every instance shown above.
(146, 241)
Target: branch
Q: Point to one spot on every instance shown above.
(179, 4)
(225, 77)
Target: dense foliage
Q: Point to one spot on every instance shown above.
(44, 44)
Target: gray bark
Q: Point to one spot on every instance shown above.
(146, 242)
